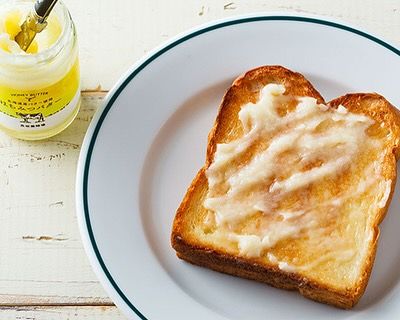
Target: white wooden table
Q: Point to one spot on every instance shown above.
(44, 272)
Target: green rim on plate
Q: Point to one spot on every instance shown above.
(139, 69)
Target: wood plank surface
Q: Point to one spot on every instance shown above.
(42, 260)
(60, 313)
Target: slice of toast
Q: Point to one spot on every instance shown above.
(323, 192)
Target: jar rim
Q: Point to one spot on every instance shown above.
(48, 53)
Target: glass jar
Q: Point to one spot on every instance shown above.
(40, 92)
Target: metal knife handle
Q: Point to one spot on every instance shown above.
(44, 7)
(34, 23)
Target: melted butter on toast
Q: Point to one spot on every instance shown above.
(291, 182)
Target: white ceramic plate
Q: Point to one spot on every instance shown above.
(148, 140)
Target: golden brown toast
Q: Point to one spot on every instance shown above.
(325, 180)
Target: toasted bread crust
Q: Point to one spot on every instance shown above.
(225, 263)
(376, 107)
(245, 89)
(189, 250)
(227, 128)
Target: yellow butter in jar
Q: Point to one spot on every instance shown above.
(40, 88)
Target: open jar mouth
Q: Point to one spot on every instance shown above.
(20, 59)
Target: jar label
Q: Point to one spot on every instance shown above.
(42, 108)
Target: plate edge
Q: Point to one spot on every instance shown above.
(88, 144)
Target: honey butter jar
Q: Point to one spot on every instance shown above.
(39, 88)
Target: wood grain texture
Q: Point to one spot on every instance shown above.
(60, 313)
(128, 29)
(42, 260)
